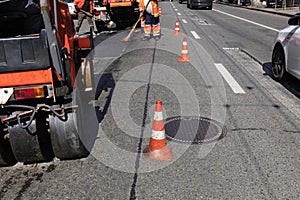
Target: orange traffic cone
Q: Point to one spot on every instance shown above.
(177, 30)
(157, 149)
(184, 52)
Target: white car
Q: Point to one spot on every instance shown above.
(285, 56)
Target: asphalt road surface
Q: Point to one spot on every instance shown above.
(227, 84)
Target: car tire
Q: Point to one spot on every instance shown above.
(180, 2)
(187, 5)
(278, 64)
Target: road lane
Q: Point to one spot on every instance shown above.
(246, 20)
(257, 159)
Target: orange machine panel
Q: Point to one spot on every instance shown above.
(14, 79)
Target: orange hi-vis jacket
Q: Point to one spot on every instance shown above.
(80, 4)
(154, 4)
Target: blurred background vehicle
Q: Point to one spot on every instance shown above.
(199, 4)
(245, 2)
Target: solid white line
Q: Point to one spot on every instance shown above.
(196, 36)
(178, 13)
(184, 21)
(246, 20)
(236, 88)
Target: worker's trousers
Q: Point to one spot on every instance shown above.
(151, 23)
(81, 17)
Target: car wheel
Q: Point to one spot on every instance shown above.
(187, 5)
(180, 2)
(278, 64)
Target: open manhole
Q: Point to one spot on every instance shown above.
(194, 130)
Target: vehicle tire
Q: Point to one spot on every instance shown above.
(187, 5)
(75, 137)
(32, 144)
(209, 8)
(278, 64)
(180, 1)
(65, 139)
(7, 157)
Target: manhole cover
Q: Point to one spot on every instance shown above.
(194, 129)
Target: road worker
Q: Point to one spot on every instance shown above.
(150, 11)
(142, 18)
(84, 9)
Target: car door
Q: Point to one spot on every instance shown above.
(293, 49)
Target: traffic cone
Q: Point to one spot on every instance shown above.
(184, 52)
(157, 149)
(177, 30)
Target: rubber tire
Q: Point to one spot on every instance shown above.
(65, 139)
(33, 144)
(187, 5)
(75, 137)
(180, 1)
(278, 64)
(7, 157)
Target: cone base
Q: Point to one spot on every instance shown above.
(176, 33)
(161, 154)
(182, 59)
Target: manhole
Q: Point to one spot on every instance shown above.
(194, 130)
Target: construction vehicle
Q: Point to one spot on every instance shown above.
(122, 12)
(46, 84)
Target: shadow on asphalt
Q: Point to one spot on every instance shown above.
(291, 84)
(103, 95)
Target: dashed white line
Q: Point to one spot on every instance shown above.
(231, 48)
(236, 88)
(246, 20)
(184, 21)
(178, 13)
(196, 36)
(176, 9)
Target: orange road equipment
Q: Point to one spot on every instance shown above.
(157, 149)
(184, 52)
(177, 29)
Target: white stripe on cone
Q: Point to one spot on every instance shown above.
(184, 52)
(158, 135)
(158, 116)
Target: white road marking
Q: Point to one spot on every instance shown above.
(236, 88)
(196, 36)
(231, 48)
(176, 9)
(178, 13)
(246, 20)
(184, 21)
